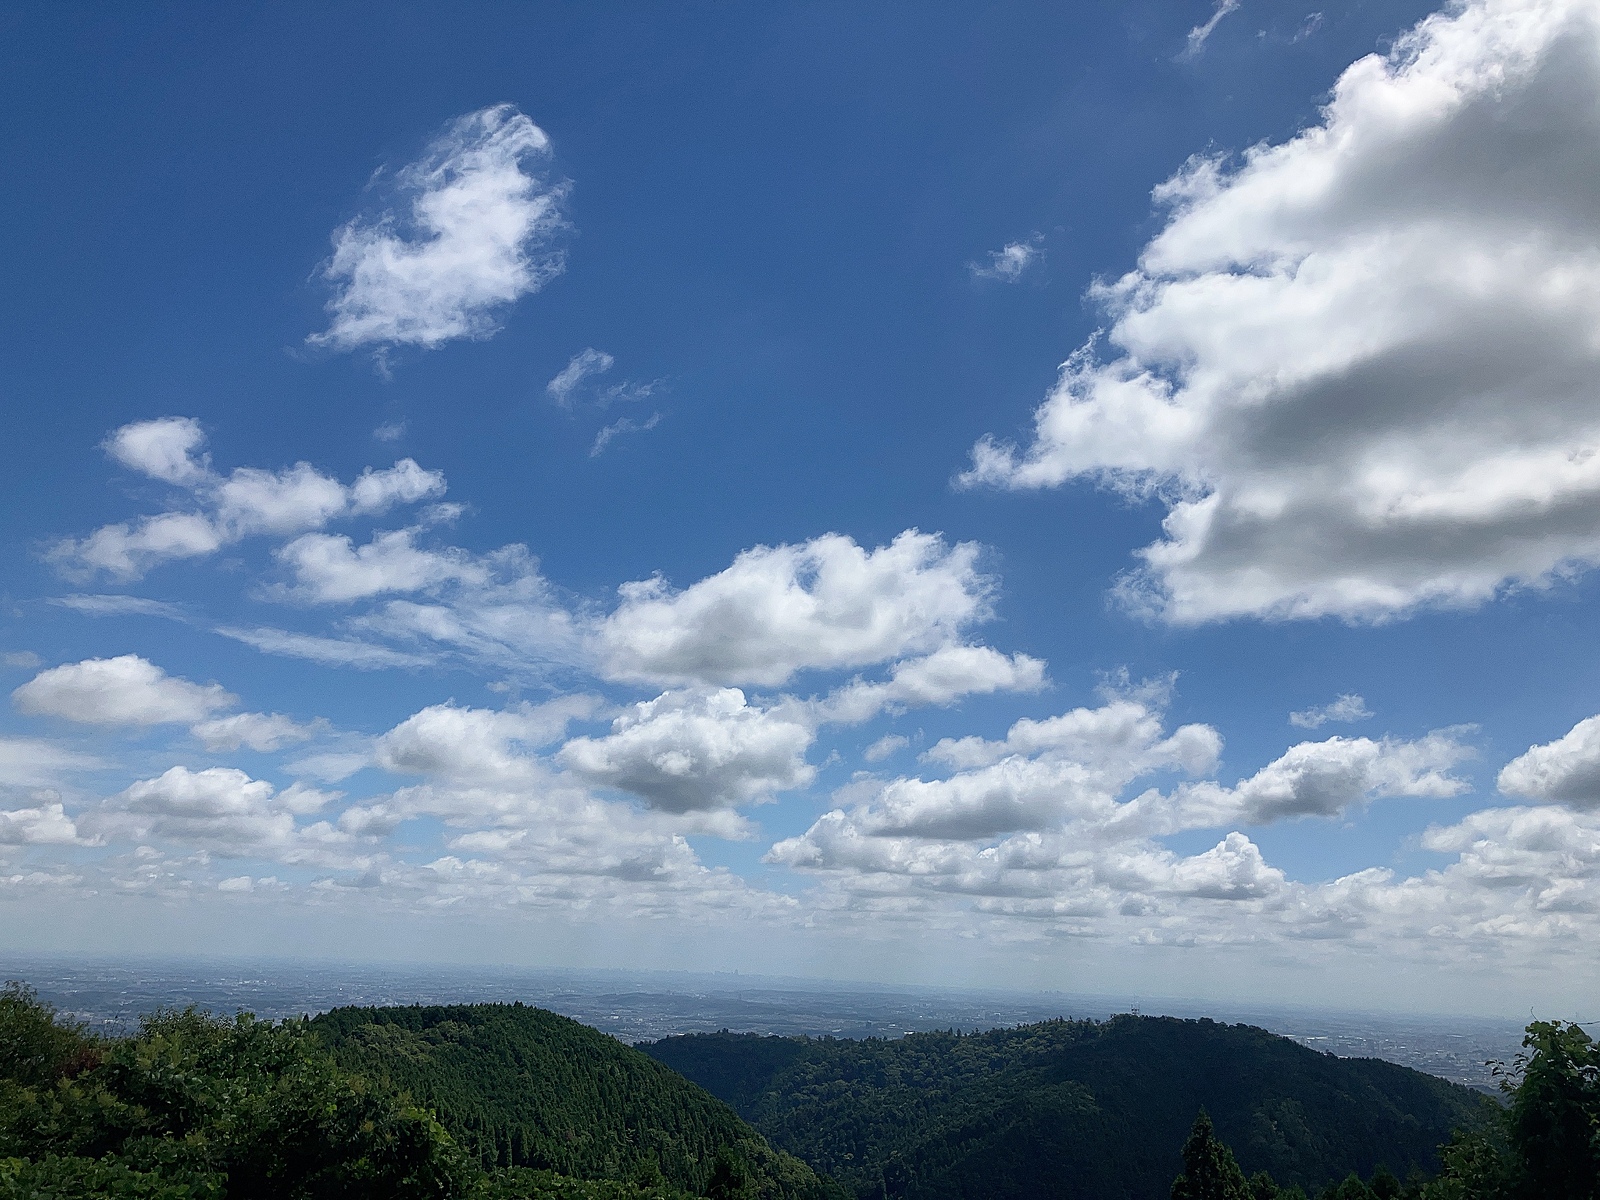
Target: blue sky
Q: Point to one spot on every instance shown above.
(817, 488)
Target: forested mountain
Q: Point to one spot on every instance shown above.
(503, 1102)
(520, 1086)
(194, 1107)
(1072, 1108)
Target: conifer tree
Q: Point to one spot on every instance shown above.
(1210, 1171)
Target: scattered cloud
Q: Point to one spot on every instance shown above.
(25, 660)
(685, 751)
(1009, 262)
(330, 569)
(1356, 367)
(390, 431)
(167, 449)
(126, 690)
(949, 674)
(1347, 707)
(260, 731)
(618, 427)
(1324, 779)
(1195, 43)
(475, 234)
(887, 746)
(585, 364)
(245, 502)
(221, 811)
(1565, 771)
(44, 825)
(477, 745)
(824, 604)
(1312, 23)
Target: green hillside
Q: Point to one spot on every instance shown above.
(519, 1086)
(1077, 1109)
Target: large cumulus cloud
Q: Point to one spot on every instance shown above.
(1358, 367)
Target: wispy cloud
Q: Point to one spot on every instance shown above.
(1348, 707)
(333, 652)
(619, 427)
(475, 234)
(390, 431)
(1196, 41)
(1009, 262)
(119, 606)
(584, 365)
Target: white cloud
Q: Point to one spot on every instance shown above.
(1347, 707)
(617, 428)
(941, 678)
(686, 751)
(330, 569)
(222, 811)
(1043, 775)
(475, 236)
(584, 365)
(126, 690)
(1357, 368)
(1125, 734)
(1200, 34)
(477, 745)
(1565, 771)
(47, 824)
(1325, 779)
(390, 431)
(25, 659)
(164, 449)
(246, 502)
(825, 604)
(1009, 262)
(1032, 828)
(332, 652)
(262, 732)
(127, 550)
(886, 746)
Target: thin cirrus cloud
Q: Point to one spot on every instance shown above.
(329, 651)
(119, 606)
(222, 509)
(584, 365)
(1356, 367)
(1008, 263)
(619, 427)
(473, 231)
(1195, 42)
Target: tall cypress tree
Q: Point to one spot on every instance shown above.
(1210, 1171)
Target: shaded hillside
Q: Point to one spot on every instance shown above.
(1075, 1109)
(519, 1086)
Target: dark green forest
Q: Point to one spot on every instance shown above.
(519, 1086)
(375, 1104)
(505, 1102)
(1073, 1108)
